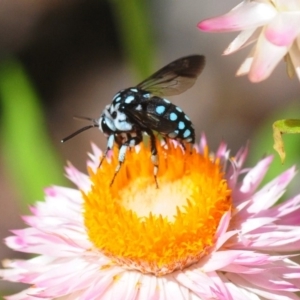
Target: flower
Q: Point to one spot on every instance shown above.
(273, 24)
(205, 233)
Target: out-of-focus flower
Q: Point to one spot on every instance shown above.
(206, 233)
(275, 27)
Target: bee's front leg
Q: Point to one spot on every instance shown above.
(109, 146)
(133, 139)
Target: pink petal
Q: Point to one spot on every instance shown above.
(266, 57)
(172, 289)
(236, 166)
(148, 290)
(124, 286)
(223, 224)
(220, 259)
(284, 29)
(102, 286)
(251, 181)
(287, 5)
(269, 280)
(221, 290)
(244, 39)
(197, 281)
(26, 295)
(247, 63)
(246, 15)
(239, 293)
(266, 294)
(287, 212)
(254, 223)
(294, 52)
(271, 192)
(254, 177)
(202, 143)
(78, 178)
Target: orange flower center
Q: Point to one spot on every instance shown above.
(155, 230)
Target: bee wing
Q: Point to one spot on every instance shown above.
(151, 121)
(174, 78)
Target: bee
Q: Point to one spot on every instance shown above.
(142, 109)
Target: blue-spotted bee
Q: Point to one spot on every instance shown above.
(143, 110)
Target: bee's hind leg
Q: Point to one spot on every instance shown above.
(154, 155)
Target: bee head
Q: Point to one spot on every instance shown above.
(106, 125)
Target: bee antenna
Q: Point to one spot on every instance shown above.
(95, 124)
(80, 118)
(78, 131)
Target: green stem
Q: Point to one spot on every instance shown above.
(30, 158)
(132, 19)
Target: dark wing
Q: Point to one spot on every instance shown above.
(174, 78)
(151, 121)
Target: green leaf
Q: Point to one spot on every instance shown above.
(279, 128)
(261, 144)
(31, 160)
(135, 31)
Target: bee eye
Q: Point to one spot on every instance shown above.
(114, 114)
(103, 126)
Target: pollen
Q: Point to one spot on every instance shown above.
(157, 230)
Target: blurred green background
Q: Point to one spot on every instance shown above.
(65, 58)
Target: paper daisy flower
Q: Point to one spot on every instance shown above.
(275, 27)
(205, 233)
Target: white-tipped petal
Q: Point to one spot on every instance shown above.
(244, 39)
(246, 15)
(274, 24)
(246, 65)
(295, 57)
(285, 5)
(247, 256)
(284, 29)
(266, 58)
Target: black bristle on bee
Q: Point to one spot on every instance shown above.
(142, 110)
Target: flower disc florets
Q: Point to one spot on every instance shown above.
(157, 230)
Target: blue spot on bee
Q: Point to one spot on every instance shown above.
(173, 116)
(181, 125)
(147, 96)
(187, 118)
(117, 99)
(179, 109)
(167, 101)
(129, 99)
(134, 90)
(160, 109)
(186, 133)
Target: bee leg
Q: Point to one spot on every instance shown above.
(154, 156)
(191, 141)
(122, 153)
(110, 143)
(133, 141)
(191, 148)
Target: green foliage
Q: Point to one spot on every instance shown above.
(132, 19)
(30, 158)
(279, 128)
(262, 144)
